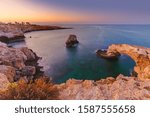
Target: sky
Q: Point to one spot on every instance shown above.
(76, 11)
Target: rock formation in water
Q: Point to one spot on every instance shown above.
(122, 87)
(71, 41)
(140, 55)
(18, 64)
(13, 32)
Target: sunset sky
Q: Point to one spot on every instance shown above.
(76, 11)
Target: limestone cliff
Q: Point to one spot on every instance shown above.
(140, 55)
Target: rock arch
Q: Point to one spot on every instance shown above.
(140, 55)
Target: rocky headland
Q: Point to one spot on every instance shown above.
(15, 31)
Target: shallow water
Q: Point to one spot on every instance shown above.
(81, 62)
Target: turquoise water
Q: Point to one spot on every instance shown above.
(62, 63)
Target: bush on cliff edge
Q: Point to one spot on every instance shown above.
(40, 89)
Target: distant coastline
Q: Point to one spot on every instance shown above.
(10, 32)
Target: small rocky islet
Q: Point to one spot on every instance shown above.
(21, 63)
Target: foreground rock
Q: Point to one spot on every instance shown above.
(17, 63)
(121, 88)
(15, 32)
(72, 41)
(4, 82)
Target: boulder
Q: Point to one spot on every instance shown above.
(72, 41)
(9, 72)
(12, 57)
(4, 82)
(29, 53)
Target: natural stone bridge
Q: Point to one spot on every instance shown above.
(140, 55)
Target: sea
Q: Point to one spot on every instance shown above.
(81, 62)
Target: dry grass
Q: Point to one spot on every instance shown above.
(40, 89)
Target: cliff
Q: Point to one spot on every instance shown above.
(16, 64)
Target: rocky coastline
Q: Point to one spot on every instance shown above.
(22, 64)
(10, 32)
(119, 88)
(16, 64)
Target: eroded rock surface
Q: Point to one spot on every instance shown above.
(121, 88)
(140, 55)
(16, 63)
(4, 82)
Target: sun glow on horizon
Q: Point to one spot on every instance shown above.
(33, 11)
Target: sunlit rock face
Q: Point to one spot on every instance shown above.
(140, 55)
(4, 82)
(120, 88)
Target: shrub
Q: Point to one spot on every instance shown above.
(40, 89)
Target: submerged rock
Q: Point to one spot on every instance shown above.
(72, 40)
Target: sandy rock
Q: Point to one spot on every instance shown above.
(139, 54)
(123, 88)
(12, 57)
(9, 72)
(3, 82)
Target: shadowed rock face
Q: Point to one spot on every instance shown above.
(140, 55)
(17, 63)
(72, 40)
